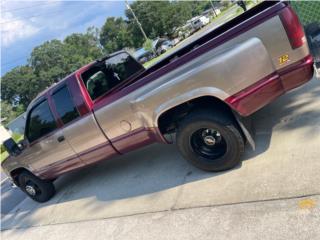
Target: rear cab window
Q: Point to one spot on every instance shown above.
(107, 74)
(40, 121)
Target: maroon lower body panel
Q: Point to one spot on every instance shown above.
(90, 156)
(98, 153)
(136, 139)
(125, 143)
(269, 88)
(58, 168)
(297, 73)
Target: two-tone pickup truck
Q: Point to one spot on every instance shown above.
(199, 94)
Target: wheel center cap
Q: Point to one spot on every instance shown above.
(209, 140)
(31, 190)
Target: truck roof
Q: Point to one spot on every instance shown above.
(72, 74)
(43, 93)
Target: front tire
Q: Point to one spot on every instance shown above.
(210, 141)
(37, 189)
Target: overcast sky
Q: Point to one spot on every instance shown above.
(26, 24)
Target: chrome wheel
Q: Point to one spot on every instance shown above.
(32, 189)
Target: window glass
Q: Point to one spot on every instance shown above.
(123, 66)
(64, 105)
(40, 122)
(106, 75)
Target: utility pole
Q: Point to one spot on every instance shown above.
(212, 6)
(139, 24)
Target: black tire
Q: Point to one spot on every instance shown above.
(220, 131)
(44, 190)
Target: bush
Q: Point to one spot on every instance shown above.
(147, 45)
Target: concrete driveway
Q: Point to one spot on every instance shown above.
(276, 188)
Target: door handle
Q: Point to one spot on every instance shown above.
(61, 138)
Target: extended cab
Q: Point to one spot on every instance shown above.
(199, 93)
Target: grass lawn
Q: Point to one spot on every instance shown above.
(156, 59)
(3, 156)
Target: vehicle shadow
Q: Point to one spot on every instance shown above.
(158, 168)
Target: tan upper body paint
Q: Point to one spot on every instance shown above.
(221, 72)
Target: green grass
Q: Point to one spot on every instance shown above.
(3, 156)
(156, 59)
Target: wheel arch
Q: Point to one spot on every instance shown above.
(181, 109)
(167, 121)
(16, 172)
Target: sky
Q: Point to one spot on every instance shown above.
(26, 24)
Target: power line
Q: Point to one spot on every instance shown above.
(18, 9)
(26, 17)
(43, 4)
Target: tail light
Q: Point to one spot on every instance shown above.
(293, 27)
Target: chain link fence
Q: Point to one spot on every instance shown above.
(309, 15)
(308, 11)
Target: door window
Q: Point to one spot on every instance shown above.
(40, 122)
(64, 105)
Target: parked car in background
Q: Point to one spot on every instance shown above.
(205, 20)
(185, 31)
(164, 46)
(142, 55)
(175, 41)
(196, 23)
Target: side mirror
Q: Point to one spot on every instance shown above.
(12, 147)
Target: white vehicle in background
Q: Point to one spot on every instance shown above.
(205, 20)
(195, 23)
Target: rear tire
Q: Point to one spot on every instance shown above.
(37, 189)
(210, 141)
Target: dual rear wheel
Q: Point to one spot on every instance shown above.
(209, 141)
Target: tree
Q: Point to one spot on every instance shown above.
(153, 16)
(147, 45)
(55, 59)
(48, 60)
(49, 63)
(8, 112)
(80, 49)
(115, 35)
(160, 18)
(21, 85)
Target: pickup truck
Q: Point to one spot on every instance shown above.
(197, 97)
